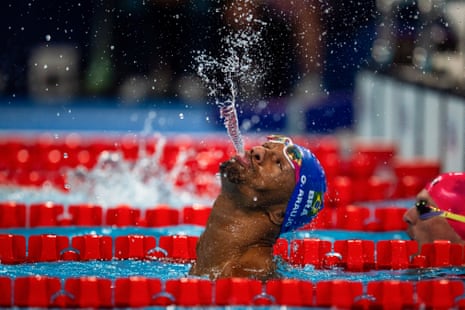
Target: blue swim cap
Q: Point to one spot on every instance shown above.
(307, 198)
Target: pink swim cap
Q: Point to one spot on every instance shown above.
(448, 192)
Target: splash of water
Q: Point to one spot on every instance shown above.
(142, 183)
(224, 75)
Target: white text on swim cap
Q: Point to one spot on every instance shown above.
(296, 208)
(309, 203)
(298, 201)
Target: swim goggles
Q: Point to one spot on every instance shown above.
(427, 211)
(291, 152)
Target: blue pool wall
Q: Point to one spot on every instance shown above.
(171, 115)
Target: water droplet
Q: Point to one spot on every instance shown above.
(181, 115)
(48, 37)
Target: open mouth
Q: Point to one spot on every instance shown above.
(232, 170)
(242, 160)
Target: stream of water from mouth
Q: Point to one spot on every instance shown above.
(223, 75)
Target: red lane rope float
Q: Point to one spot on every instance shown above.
(85, 215)
(12, 249)
(12, 214)
(350, 255)
(45, 214)
(89, 247)
(162, 215)
(349, 217)
(38, 291)
(123, 215)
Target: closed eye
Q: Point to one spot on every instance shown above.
(271, 147)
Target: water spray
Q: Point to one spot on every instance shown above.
(223, 75)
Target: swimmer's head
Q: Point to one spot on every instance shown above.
(448, 192)
(307, 198)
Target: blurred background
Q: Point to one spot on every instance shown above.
(380, 69)
(137, 49)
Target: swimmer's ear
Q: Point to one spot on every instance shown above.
(276, 216)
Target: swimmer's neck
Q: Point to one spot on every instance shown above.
(237, 241)
(245, 225)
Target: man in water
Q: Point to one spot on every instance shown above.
(439, 212)
(274, 188)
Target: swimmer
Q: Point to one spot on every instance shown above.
(273, 189)
(439, 211)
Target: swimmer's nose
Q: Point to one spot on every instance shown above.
(257, 153)
(410, 216)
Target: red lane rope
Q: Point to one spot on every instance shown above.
(15, 249)
(349, 217)
(46, 214)
(36, 291)
(365, 255)
(350, 255)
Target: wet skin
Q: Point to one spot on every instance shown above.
(246, 217)
(431, 229)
